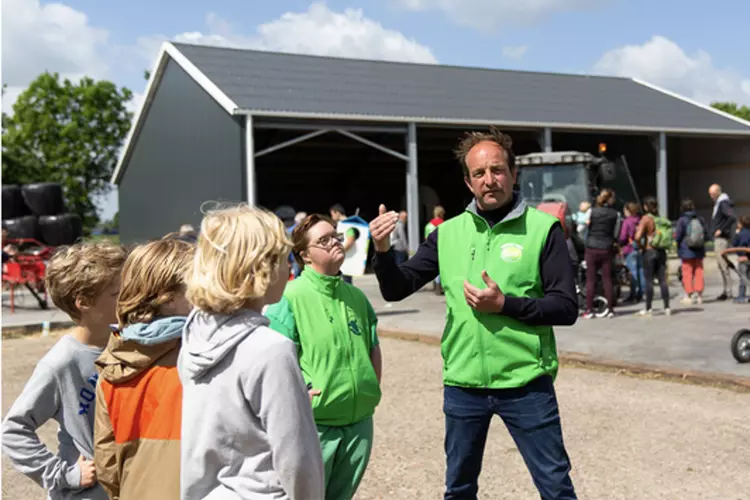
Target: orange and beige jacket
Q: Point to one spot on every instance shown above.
(138, 419)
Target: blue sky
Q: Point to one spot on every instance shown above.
(697, 49)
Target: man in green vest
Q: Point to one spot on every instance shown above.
(508, 280)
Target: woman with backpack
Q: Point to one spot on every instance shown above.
(633, 258)
(602, 231)
(691, 235)
(654, 236)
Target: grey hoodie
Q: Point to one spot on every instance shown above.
(62, 388)
(247, 424)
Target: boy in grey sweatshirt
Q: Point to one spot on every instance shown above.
(83, 281)
(247, 424)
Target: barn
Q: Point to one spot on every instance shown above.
(271, 129)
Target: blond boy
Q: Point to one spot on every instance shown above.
(248, 429)
(83, 281)
(139, 396)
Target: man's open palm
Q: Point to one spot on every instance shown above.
(381, 228)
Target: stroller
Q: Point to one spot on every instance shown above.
(740, 344)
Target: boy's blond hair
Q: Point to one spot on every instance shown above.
(153, 275)
(237, 258)
(84, 271)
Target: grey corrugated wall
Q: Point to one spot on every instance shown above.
(188, 151)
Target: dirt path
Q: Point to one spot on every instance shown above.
(628, 438)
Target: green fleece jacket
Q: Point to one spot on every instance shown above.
(488, 350)
(334, 327)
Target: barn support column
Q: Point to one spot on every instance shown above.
(546, 140)
(250, 162)
(412, 187)
(661, 175)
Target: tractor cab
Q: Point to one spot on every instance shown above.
(557, 182)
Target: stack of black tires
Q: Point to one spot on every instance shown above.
(38, 211)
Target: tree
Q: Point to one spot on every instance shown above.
(733, 109)
(112, 226)
(69, 133)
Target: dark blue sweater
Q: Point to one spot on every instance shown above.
(683, 250)
(742, 239)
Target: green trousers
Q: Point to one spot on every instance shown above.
(346, 452)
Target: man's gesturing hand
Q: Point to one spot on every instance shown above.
(381, 228)
(489, 300)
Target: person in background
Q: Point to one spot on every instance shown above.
(139, 396)
(723, 220)
(691, 235)
(9, 251)
(187, 233)
(438, 217)
(299, 217)
(321, 313)
(296, 269)
(599, 251)
(742, 240)
(581, 219)
(654, 237)
(247, 426)
(83, 281)
(399, 239)
(633, 260)
(338, 214)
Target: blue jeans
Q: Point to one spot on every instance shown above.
(531, 415)
(634, 263)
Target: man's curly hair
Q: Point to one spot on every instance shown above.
(471, 139)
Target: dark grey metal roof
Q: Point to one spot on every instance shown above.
(300, 85)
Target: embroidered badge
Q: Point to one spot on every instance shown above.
(511, 252)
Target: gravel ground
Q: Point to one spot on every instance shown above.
(628, 438)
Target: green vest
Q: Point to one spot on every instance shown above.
(335, 328)
(487, 350)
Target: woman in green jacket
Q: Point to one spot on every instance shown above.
(334, 327)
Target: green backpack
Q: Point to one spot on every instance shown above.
(663, 235)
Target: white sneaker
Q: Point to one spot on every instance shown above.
(646, 313)
(686, 301)
(699, 300)
(608, 314)
(667, 312)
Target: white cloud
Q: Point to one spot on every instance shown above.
(134, 103)
(487, 15)
(515, 52)
(318, 31)
(51, 37)
(662, 62)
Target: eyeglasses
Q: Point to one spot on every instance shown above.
(328, 240)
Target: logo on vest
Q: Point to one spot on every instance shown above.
(511, 252)
(354, 327)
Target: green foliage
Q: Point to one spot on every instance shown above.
(112, 225)
(733, 109)
(69, 133)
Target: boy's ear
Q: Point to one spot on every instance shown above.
(82, 304)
